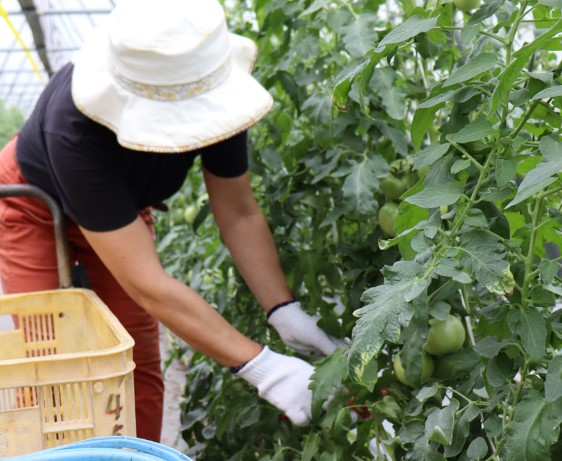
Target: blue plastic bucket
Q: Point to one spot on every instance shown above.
(115, 448)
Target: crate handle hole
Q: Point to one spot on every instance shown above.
(7, 323)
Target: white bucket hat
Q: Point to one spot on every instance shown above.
(167, 76)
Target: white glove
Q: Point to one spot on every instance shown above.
(282, 381)
(299, 331)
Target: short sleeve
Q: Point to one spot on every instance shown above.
(88, 184)
(228, 158)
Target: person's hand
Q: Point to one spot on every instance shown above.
(299, 331)
(282, 381)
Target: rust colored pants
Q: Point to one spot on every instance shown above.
(28, 263)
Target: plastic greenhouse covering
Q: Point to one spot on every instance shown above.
(36, 38)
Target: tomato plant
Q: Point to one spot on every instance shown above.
(471, 102)
(11, 120)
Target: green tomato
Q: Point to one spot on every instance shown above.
(393, 187)
(410, 180)
(466, 5)
(387, 216)
(400, 167)
(445, 336)
(427, 369)
(421, 172)
(189, 213)
(177, 217)
(208, 279)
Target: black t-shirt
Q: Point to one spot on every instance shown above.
(100, 184)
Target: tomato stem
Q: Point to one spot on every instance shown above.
(528, 260)
(524, 120)
(467, 155)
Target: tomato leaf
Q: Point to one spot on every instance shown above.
(440, 423)
(387, 311)
(419, 446)
(422, 121)
(500, 370)
(530, 325)
(488, 9)
(393, 96)
(506, 170)
(430, 154)
(534, 428)
(427, 392)
(449, 267)
(478, 129)
(328, 376)
(412, 354)
(311, 446)
(439, 99)
(360, 36)
(484, 257)
(319, 108)
(343, 84)
(408, 29)
(461, 431)
(359, 186)
(490, 346)
(553, 382)
(477, 449)
(476, 66)
(542, 175)
(512, 71)
(552, 3)
(437, 195)
(552, 92)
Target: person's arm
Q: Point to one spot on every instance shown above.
(130, 254)
(247, 236)
(246, 233)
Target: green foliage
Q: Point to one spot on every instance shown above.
(475, 100)
(11, 120)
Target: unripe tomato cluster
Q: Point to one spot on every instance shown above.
(444, 337)
(399, 179)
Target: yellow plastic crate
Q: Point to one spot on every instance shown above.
(66, 371)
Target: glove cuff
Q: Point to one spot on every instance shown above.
(261, 367)
(284, 319)
(235, 370)
(279, 306)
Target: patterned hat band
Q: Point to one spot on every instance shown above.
(178, 91)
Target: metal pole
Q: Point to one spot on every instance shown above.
(61, 243)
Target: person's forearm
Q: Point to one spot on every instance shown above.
(195, 321)
(251, 244)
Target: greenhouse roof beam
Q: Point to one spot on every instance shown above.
(59, 12)
(32, 18)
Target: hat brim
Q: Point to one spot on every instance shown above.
(169, 126)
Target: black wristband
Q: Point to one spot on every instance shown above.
(279, 306)
(238, 368)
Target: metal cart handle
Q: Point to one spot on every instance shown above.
(61, 244)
